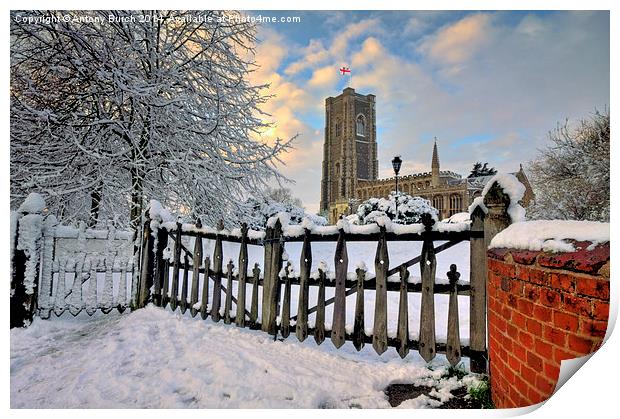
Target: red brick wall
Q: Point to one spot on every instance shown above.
(542, 308)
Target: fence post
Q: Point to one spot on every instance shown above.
(26, 258)
(484, 226)
(146, 263)
(497, 202)
(477, 296)
(272, 281)
(160, 267)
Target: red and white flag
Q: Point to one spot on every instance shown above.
(344, 70)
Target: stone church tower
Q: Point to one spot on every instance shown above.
(349, 150)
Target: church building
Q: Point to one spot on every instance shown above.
(350, 165)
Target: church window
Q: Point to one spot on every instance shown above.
(338, 128)
(438, 203)
(456, 203)
(360, 126)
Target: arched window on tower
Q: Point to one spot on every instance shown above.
(338, 127)
(360, 126)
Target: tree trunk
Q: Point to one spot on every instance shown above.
(95, 205)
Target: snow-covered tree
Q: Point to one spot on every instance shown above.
(570, 177)
(283, 195)
(410, 209)
(480, 169)
(256, 212)
(111, 108)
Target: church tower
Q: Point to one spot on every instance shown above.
(349, 149)
(435, 166)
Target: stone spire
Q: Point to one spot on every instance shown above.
(435, 165)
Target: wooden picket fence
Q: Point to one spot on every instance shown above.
(170, 285)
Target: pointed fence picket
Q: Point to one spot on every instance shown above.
(87, 281)
(277, 288)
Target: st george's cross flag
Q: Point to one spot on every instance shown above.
(345, 70)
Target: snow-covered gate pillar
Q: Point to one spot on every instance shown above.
(27, 225)
(489, 216)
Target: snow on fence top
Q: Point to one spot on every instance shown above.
(161, 218)
(33, 204)
(511, 187)
(551, 235)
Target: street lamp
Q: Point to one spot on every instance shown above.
(396, 162)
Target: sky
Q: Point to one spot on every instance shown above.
(489, 85)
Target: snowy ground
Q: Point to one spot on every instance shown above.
(155, 358)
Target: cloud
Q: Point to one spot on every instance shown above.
(342, 41)
(315, 53)
(501, 76)
(371, 51)
(324, 77)
(457, 42)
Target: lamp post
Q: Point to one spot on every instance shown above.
(396, 162)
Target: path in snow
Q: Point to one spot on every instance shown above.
(159, 359)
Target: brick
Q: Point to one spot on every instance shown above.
(506, 284)
(535, 397)
(526, 307)
(528, 374)
(520, 387)
(593, 287)
(506, 312)
(526, 339)
(523, 273)
(555, 336)
(507, 343)
(542, 313)
(565, 321)
(518, 320)
(593, 328)
(524, 257)
(580, 344)
(511, 330)
(543, 349)
(600, 310)
(531, 292)
(559, 355)
(534, 361)
(519, 352)
(494, 279)
(511, 301)
(550, 298)
(498, 322)
(577, 305)
(563, 282)
(582, 260)
(514, 364)
(545, 386)
(504, 269)
(534, 327)
(539, 277)
(496, 254)
(509, 376)
(552, 371)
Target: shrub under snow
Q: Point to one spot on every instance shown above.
(258, 211)
(410, 209)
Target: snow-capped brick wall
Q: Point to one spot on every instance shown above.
(543, 308)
